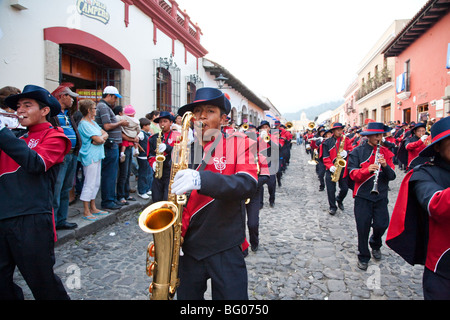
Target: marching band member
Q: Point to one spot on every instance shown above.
(371, 168)
(330, 152)
(254, 204)
(160, 187)
(28, 169)
(214, 216)
(415, 144)
(269, 150)
(420, 223)
(320, 165)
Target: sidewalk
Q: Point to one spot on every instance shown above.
(86, 228)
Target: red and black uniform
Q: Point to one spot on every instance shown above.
(214, 219)
(28, 169)
(371, 210)
(420, 224)
(160, 187)
(414, 146)
(330, 151)
(270, 151)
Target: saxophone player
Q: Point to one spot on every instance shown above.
(214, 216)
(331, 150)
(371, 164)
(160, 187)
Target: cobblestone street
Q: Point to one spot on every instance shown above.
(304, 253)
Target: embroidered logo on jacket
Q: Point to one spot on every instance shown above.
(220, 163)
(33, 143)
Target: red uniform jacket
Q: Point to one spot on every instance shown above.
(330, 150)
(358, 165)
(28, 169)
(420, 222)
(214, 217)
(414, 147)
(169, 139)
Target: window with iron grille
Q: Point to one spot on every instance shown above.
(193, 82)
(167, 85)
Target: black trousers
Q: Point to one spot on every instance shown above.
(226, 269)
(321, 174)
(331, 189)
(271, 186)
(252, 209)
(369, 215)
(160, 187)
(435, 287)
(28, 243)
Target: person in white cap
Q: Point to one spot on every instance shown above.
(106, 119)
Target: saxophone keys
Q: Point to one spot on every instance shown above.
(151, 249)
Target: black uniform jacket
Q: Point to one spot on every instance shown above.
(358, 166)
(214, 217)
(420, 222)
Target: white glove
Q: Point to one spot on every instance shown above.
(320, 139)
(162, 147)
(424, 137)
(2, 124)
(185, 181)
(332, 169)
(383, 139)
(343, 154)
(154, 166)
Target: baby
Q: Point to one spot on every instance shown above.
(131, 131)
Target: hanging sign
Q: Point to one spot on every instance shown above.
(93, 9)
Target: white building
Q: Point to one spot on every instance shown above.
(149, 49)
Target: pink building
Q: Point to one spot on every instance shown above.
(422, 68)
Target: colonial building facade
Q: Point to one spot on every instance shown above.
(149, 49)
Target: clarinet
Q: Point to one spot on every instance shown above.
(377, 173)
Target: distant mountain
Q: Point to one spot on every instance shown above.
(313, 112)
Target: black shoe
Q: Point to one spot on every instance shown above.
(112, 207)
(340, 205)
(66, 226)
(332, 212)
(272, 205)
(362, 265)
(321, 189)
(376, 254)
(122, 202)
(130, 198)
(254, 248)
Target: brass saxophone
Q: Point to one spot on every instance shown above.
(164, 219)
(160, 158)
(339, 162)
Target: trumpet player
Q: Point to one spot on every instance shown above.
(371, 167)
(331, 150)
(214, 217)
(270, 149)
(28, 169)
(415, 144)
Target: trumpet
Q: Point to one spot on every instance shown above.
(311, 125)
(11, 124)
(289, 125)
(11, 115)
(245, 126)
